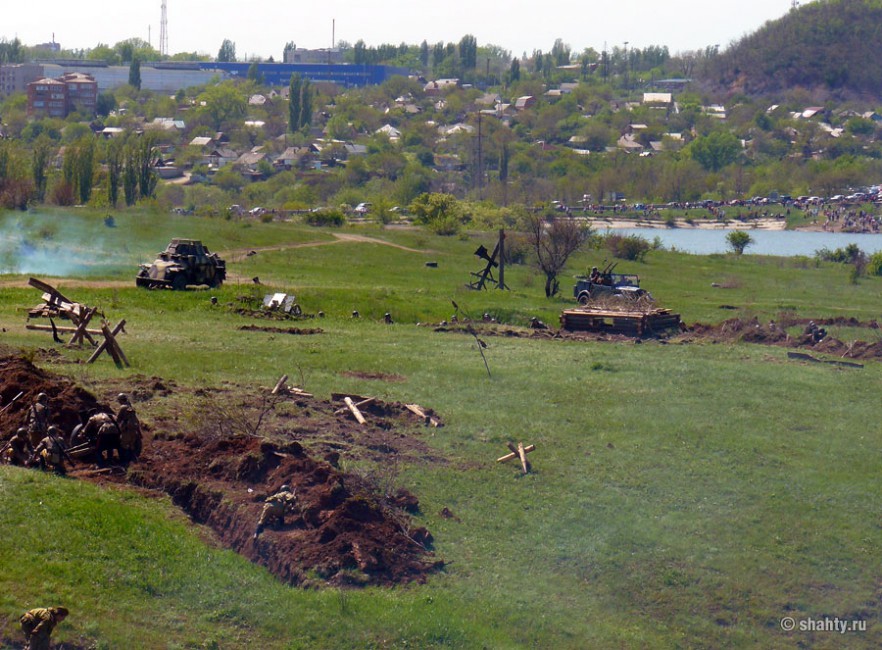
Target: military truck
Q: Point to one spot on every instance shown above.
(183, 262)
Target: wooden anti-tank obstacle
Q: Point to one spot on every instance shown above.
(520, 452)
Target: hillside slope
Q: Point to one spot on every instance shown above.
(832, 46)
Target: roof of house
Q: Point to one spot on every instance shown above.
(657, 98)
(250, 158)
(201, 141)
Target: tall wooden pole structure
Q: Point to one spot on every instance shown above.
(501, 284)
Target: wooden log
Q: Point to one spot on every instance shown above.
(116, 330)
(515, 454)
(279, 384)
(60, 330)
(364, 402)
(417, 410)
(354, 409)
(523, 454)
(338, 397)
(48, 288)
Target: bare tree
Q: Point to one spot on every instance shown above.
(554, 238)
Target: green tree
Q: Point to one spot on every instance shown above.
(114, 158)
(135, 73)
(254, 74)
(105, 103)
(85, 168)
(40, 166)
(223, 103)
(294, 96)
(146, 158)
(424, 54)
(442, 213)
(227, 52)
(514, 72)
(306, 96)
(553, 240)
(288, 52)
(738, 240)
(468, 52)
(560, 53)
(715, 151)
(130, 175)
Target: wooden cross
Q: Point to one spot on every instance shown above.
(518, 452)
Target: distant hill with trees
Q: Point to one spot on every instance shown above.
(829, 47)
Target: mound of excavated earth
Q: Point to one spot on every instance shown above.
(220, 452)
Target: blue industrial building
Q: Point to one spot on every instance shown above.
(279, 74)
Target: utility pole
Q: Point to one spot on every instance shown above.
(479, 163)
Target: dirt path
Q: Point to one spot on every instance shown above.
(239, 254)
(233, 255)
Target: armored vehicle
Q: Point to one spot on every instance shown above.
(183, 262)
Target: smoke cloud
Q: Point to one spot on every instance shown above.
(58, 245)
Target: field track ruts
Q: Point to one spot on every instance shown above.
(233, 255)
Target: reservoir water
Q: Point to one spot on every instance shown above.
(787, 243)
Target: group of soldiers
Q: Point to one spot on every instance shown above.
(100, 435)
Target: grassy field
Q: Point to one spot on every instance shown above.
(683, 495)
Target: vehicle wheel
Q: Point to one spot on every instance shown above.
(179, 282)
(584, 298)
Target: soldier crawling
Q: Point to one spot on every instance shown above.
(275, 508)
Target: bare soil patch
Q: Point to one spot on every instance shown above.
(220, 452)
(282, 330)
(732, 330)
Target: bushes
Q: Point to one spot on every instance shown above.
(329, 217)
(626, 247)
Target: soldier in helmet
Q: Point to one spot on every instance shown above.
(275, 508)
(129, 429)
(50, 452)
(38, 419)
(19, 449)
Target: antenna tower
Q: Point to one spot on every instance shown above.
(163, 32)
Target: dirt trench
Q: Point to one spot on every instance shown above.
(348, 529)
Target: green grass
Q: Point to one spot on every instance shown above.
(682, 495)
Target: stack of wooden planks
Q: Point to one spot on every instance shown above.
(636, 324)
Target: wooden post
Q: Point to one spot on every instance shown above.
(501, 246)
(354, 409)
